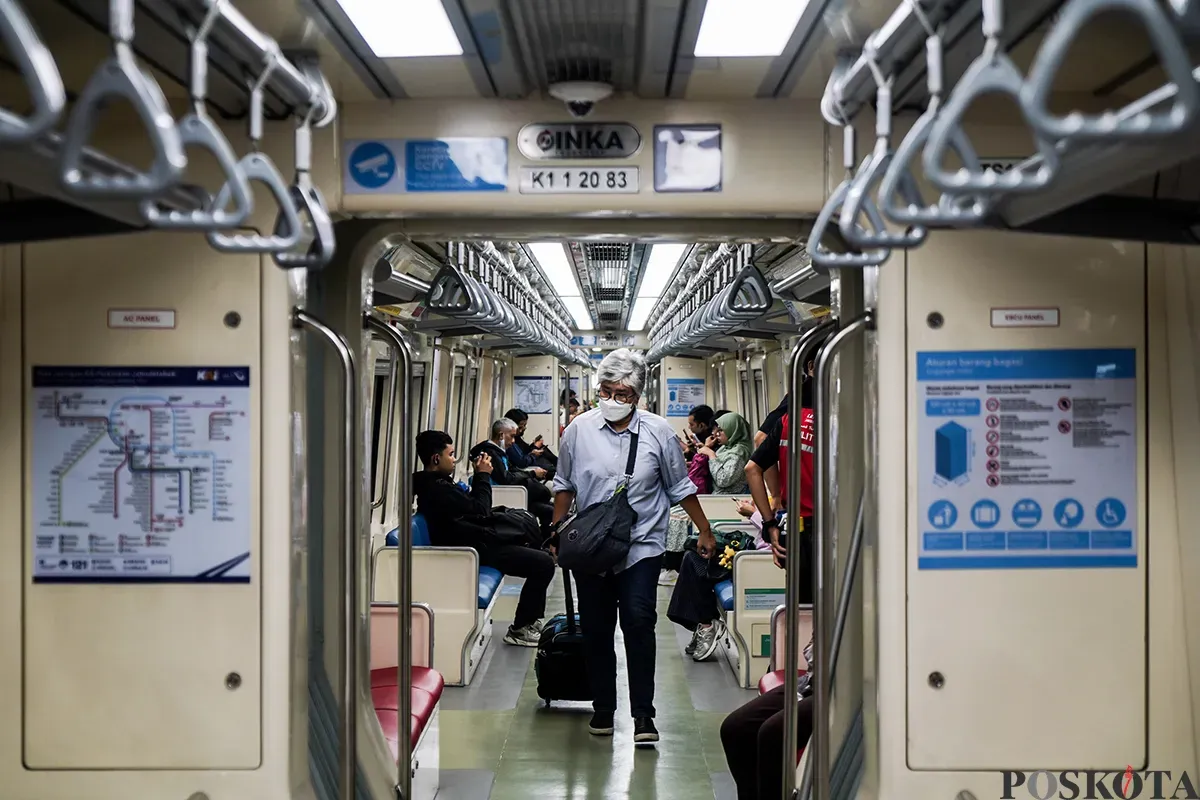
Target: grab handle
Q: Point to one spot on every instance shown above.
(992, 72)
(307, 199)
(198, 130)
(348, 731)
(1109, 125)
(898, 182)
(121, 77)
(858, 196)
(822, 546)
(823, 258)
(808, 344)
(41, 75)
(257, 166)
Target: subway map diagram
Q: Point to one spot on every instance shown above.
(141, 474)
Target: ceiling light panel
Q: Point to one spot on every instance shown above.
(640, 312)
(747, 28)
(579, 312)
(409, 29)
(552, 258)
(659, 268)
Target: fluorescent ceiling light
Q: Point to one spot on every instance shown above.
(552, 258)
(659, 268)
(747, 28)
(640, 312)
(578, 309)
(408, 29)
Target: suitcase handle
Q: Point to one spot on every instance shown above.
(570, 602)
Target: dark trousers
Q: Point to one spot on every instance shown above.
(694, 598)
(632, 593)
(535, 566)
(753, 740)
(544, 513)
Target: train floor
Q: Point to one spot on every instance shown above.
(500, 742)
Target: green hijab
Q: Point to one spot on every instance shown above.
(738, 444)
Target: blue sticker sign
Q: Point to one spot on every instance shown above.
(371, 167)
(687, 158)
(458, 164)
(1038, 448)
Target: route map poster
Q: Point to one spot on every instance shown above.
(141, 474)
(1027, 459)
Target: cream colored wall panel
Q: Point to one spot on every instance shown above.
(763, 172)
(153, 692)
(1065, 617)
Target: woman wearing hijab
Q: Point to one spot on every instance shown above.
(728, 464)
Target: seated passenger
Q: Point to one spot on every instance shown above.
(457, 518)
(727, 465)
(752, 737)
(535, 453)
(504, 431)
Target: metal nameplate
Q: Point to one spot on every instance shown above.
(545, 141)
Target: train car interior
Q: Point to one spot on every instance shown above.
(308, 307)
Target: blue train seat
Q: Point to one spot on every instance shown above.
(725, 595)
(489, 577)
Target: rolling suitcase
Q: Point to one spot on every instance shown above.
(560, 665)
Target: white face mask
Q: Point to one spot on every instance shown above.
(615, 410)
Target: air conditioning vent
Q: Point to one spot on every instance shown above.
(606, 294)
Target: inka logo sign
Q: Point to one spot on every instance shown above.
(1150, 784)
(555, 141)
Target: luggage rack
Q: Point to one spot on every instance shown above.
(62, 165)
(1081, 158)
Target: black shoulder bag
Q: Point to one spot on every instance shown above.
(595, 540)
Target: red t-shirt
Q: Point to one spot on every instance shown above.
(774, 453)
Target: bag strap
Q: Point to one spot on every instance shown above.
(633, 446)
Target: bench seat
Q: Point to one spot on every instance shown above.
(725, 595)
(427, 685)
(489, 584)
(773, 680)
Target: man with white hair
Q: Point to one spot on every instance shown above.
(593, 455)
(504, 433)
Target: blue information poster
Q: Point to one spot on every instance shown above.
(684, 394)
(459, 164)
(1027, 459)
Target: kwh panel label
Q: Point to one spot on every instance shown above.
(1027, 459)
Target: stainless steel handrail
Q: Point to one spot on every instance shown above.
(803, 350)
(348, 734)
(403, 374)
(381, 498)
(823, 590)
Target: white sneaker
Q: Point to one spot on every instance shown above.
(667, 577)
(708, 641)
(526, 636)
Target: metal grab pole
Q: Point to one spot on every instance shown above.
(387, 434)
(348, 735)
(823, 599)
(801, 353)
(403, 360)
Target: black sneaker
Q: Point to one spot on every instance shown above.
(601, 724)
(644, 731)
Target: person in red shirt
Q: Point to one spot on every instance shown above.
(773, 452)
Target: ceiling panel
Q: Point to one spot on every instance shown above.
(578, 40)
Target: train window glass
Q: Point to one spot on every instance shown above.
(453, 398)
(760, 395)
(377, 416)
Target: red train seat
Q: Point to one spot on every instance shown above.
(427, 685)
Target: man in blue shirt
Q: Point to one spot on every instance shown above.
(591, 463)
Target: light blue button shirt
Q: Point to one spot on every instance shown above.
(591, 462)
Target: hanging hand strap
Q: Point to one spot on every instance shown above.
(197, 129)
(1172, 54)
(308, 201)
(120, 76)
(41, 75)
(992, 72)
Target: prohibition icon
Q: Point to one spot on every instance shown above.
(1064, 427)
